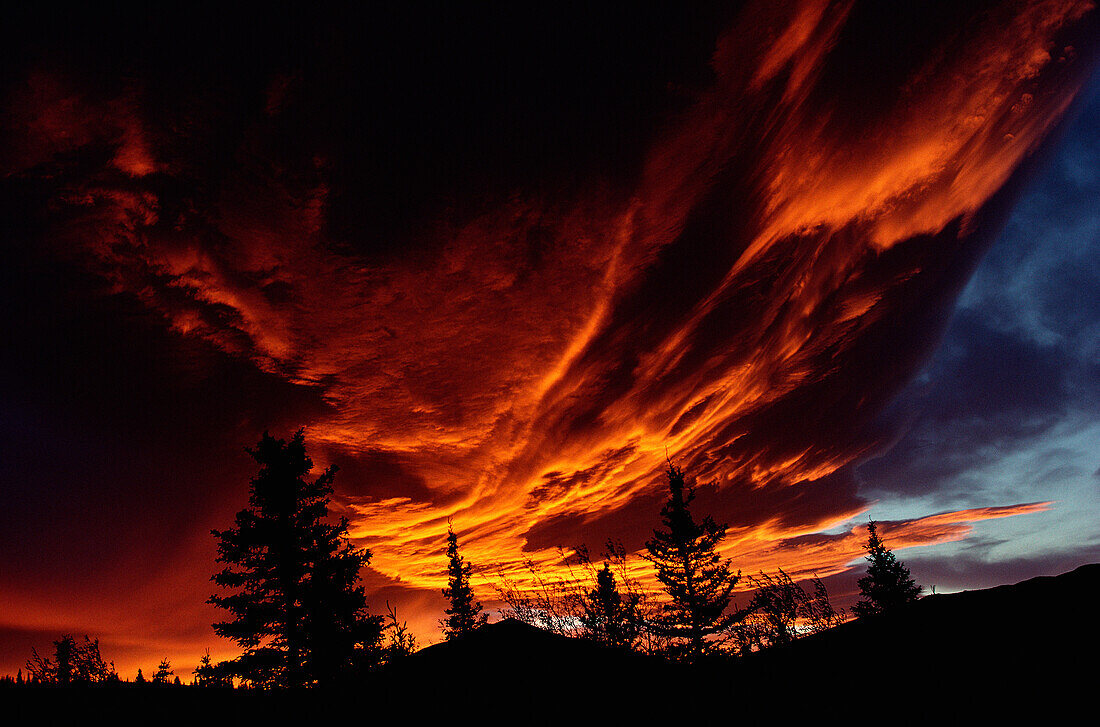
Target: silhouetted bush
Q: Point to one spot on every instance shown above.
(780, 612)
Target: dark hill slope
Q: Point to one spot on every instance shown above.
(1013, 654)
(1005, 651)
(1015, 632)
(1011, 650)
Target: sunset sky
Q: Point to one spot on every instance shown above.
(837, 260)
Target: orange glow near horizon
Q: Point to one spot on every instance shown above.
(526, 399)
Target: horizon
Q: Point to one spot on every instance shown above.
(836, 261)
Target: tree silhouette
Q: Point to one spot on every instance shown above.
(298, 608)
(140, 678)
(782, 611)
(463, 613)
(400, 642)
(209, 674)
(687, 563)
(887, 584)
(776, 607)
(164, 670)
(608, 617)
(73, 662)
(204, 672)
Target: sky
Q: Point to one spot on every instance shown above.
(837, 260)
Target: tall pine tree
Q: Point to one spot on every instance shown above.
(463, 613)
(295, 600)
(887, 584)
(698, 581)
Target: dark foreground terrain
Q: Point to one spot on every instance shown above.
(1013, 654)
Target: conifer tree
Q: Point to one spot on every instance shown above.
(887, 584)
(164, 670)
(608, 617)
(463, 612)
(73, 662)
(140, 678)
(698, 581)
(204, 672)
(297, 606)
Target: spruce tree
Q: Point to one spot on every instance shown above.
(204, 672)
(698, 581)
(608, 617)
(164, 670)
(887, 584)
(296, 603)
(463, 613)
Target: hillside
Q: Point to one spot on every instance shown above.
(993, 651)
(1007, 652)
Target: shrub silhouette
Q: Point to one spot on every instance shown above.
(782, 611)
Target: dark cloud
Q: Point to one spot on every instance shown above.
(1018, 359)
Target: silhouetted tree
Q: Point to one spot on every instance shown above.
(204, 672)
(400, 642)
(463, 612)
(140, 678)
(298, 608)
(887, 584)
(73, 662)
(609, 617)
(164, 670)
(820, 614)
(781, 611)
(778, 603)
(209, 674)
(698, 581)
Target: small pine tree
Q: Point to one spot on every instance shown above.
(204, 672)
(164, 670)
(608, 617)
(887, 584)
(140, 678)
(687, 563)
(464, 613)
